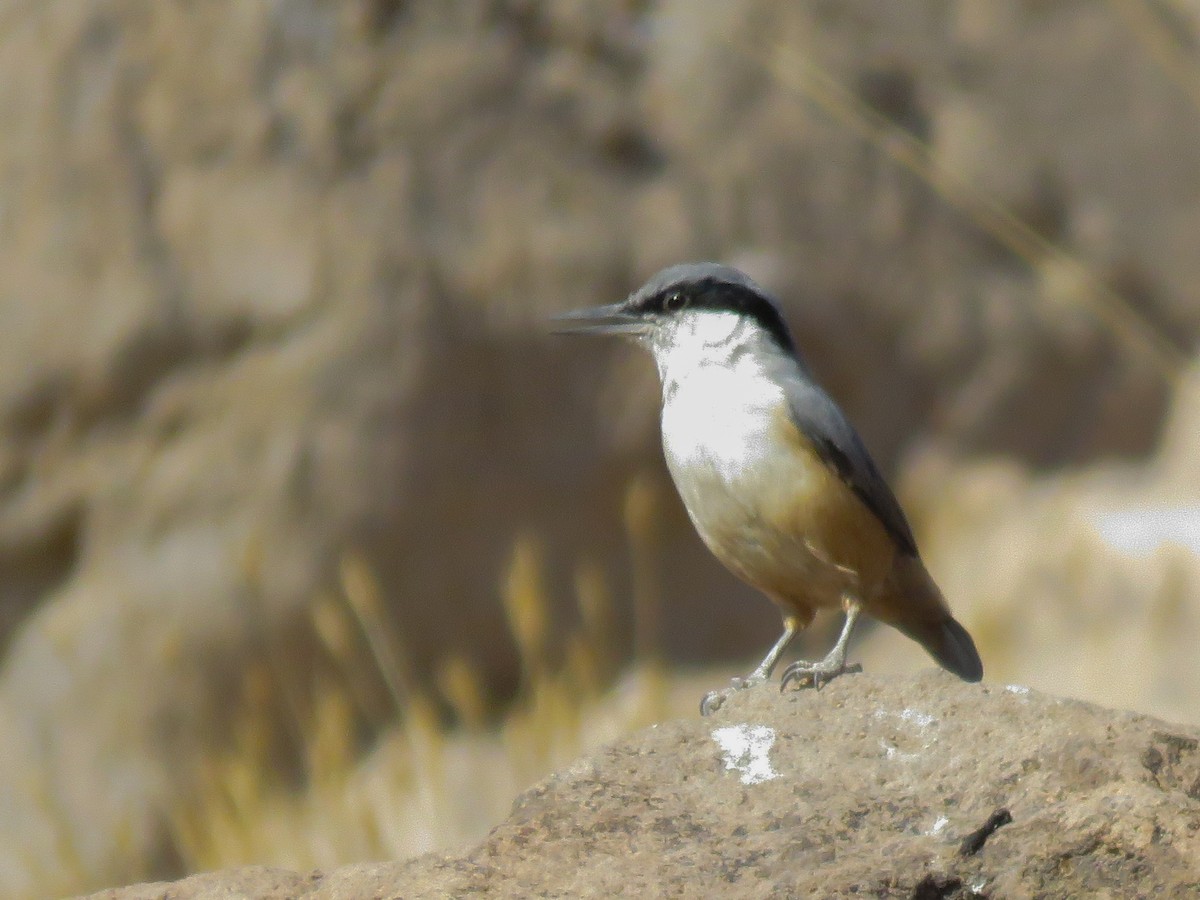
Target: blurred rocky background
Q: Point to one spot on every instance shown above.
(298, 497)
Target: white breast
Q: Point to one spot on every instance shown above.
(719, 421)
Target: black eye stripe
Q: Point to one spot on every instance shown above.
(709, 293)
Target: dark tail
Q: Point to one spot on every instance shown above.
(954, 650)
(915, 606)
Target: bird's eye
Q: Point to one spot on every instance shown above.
(675, 301)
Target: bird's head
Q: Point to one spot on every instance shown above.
(693, 311)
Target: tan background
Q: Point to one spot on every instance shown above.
(273, 287)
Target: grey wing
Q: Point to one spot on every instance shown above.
(837, 443)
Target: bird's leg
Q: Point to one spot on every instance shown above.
(834, 664)
(713, 700)
(791, 626)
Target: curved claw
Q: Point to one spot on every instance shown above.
(714, 700)
(795, 672)
(820, 673)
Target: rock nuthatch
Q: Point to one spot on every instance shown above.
(774, 477)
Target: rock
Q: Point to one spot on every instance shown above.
(914, 787)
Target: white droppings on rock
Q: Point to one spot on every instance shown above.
(938, 826)
(891, 751)
(1017, 689)
(747, 750)
(922, 720)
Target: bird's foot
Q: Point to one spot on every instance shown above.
(815, 674)
(714, 700)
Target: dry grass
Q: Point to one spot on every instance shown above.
(423, 786)
(1085, 288)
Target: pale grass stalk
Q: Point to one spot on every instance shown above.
(800, 73)
(1165, 49)
(423, 788)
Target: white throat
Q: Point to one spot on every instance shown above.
(698, 339)
(715, 346)
(723, 387)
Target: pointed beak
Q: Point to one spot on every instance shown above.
(613, 319)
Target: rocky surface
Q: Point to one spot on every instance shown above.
(274, 283)
(921, 787)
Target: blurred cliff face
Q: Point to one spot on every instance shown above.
(274, 284)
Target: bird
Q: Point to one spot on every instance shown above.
(776, 481)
